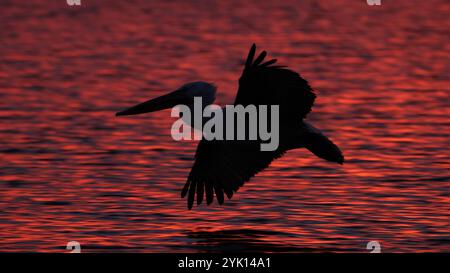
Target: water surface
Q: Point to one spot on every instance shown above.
(70, 170)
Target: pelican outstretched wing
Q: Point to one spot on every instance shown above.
(268, 84)
(221, 167)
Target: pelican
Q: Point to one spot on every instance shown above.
(221, 167)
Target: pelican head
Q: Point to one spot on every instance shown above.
(183, 95)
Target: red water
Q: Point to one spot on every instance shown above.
(70, 170)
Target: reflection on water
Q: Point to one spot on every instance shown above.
(238, 240)
(245, 240)
(70, 170)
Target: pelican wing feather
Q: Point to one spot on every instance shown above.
(222, 167)
(268, 84)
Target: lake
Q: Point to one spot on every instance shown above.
(71, 171)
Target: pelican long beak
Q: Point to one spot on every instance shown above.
(160, 103)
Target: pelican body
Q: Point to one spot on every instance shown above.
(222, 166)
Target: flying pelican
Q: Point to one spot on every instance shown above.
(223, 166)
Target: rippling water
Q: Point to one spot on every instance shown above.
(70, 170)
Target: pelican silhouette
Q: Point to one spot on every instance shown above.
(223, 166)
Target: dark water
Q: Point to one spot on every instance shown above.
(70, 170)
